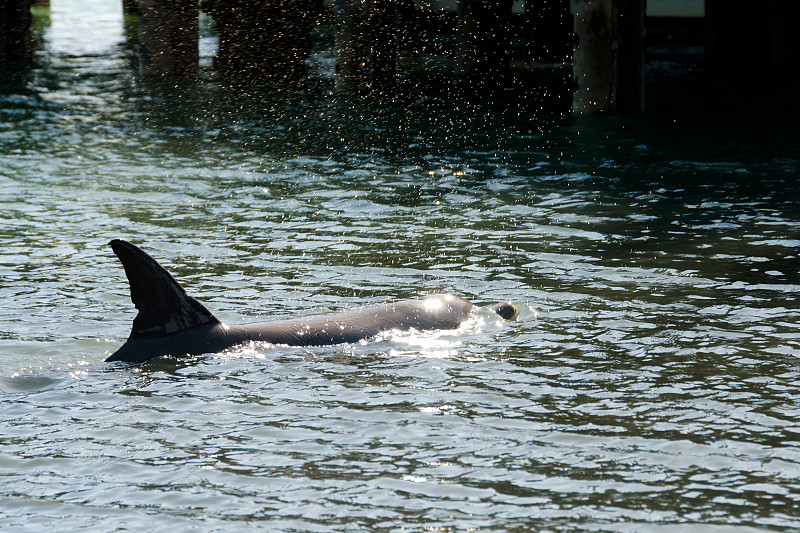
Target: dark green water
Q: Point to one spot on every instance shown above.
(650, 384)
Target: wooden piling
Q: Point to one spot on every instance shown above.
(367, 45)
(608, 58)
(15, 33)
(168, 37)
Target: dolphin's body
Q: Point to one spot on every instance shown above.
(170, 322)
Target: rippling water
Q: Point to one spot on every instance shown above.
(650, 384)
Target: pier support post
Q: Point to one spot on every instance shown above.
(483, 39)
(15, 33)
(608, 58)
(168, 37)
(266, 39)
(367, 45)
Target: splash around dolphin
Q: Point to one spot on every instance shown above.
(170, 322)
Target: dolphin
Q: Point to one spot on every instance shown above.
(170, 322)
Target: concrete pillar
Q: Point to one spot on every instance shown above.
(267, 40)
(608, 58)
(367, 45)
(168, 37)
(15, 33)
(483, 38)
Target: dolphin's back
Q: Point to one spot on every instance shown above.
(441, 311)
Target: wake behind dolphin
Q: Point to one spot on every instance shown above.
(170, 322)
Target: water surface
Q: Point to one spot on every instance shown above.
(650, 383)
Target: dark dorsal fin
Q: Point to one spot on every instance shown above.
(164, 307)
